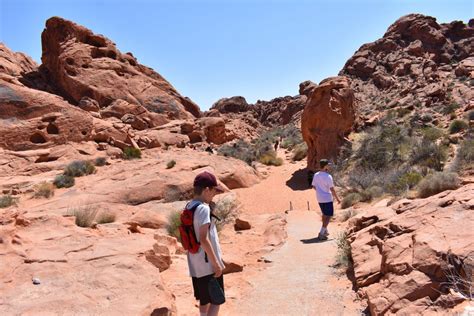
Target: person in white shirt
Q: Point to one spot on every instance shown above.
(323, 184)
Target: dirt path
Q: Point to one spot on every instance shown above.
(301, 280)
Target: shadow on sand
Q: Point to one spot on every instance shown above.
(314, 240)
(299, 180)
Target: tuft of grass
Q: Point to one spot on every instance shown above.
(43, 190)
(436, 183)
(270, 159)
(79, 168)
(63, 181)
(344, 253)
(432, 133)
(350, 199)
(105, 217)
(100, 161)
(346, 214)
(300, 152)
(174, 221)
(170, 164)
(457, 126)
(7, 201)
(132, 153)
(84, 215)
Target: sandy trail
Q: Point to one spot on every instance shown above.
(301, 280)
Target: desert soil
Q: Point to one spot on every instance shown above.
(299, 278)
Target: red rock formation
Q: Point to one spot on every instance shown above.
(327, 118)
(83, 64)
(403, 254)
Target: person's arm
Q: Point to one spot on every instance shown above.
(335, 195)
(206, 245)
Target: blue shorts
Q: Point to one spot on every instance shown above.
(327, 208)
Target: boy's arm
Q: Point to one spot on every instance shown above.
(335, 195)
(206, 245)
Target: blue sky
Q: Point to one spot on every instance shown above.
(259, 49)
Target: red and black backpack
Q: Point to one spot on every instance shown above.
(186, 229)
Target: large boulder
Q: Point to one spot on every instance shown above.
(235, 104)
(83, 64)
(327, 118)
(412, 257)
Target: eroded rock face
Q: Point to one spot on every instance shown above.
(327, 118)
(83, 64)
(403, 254)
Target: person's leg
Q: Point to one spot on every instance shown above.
(213, 310)
(204, 310)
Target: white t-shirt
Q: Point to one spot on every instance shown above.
(322, 182)
(198, 267)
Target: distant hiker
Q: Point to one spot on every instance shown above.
(199, 236)
(209, 149)
(324, 186)
(277, 143)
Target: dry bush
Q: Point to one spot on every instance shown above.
(459, 276)
(344, 253)
(100, 161)
(226, 209)
(63, 181)
(270, 159)
(347, 214)
(79, 168)
(300, 152)
(105, 218)
(174, 221)
(350, 199)
(84, 215)
(7, 201)
(43, 190)
(436, 183)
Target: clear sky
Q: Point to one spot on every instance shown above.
(259, 49)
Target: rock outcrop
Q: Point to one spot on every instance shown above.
(327, 118)
(411, 258)
(83, 64)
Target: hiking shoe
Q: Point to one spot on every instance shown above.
(326, 233)
(322, 237)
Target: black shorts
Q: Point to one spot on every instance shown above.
(327, 208)
(201, 288)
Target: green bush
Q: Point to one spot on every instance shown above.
(132, 153)
(63, 181)
(270, 159)
(436, 183)
(174, 221)
(7, 201)
(450, 108)
(426, 153)
(170, 164)
(465, 154)
(432, 133)
(300, 152)
(43, 190)
(344, 253)
(105, 218)
(350, 199)
(100, 161)
(84, 215)
(457, 126)
(405, 182)
(470, 115)
(79, 168)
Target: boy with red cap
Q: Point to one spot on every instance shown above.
(206, 266)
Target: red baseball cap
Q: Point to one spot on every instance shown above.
(207, 180)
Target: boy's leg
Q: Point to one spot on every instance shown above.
(204, 310)
(213, 310)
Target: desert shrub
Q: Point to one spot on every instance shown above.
(457, 126)
(450, 108)
(381, 147)
(43, 190)
(291, 136)
(454, 269)
(375, 191)
(79, 168)
(63, 181)
(7, 201)
(432, 133)
(470, 115)
(404, 182)
(426, 153)
(105, 217)
(436, 183)
(350, 199)
(241, 150)
(174, 221)
(362, 179)
(300, 152)
(100, 161)
(132, 153)
(170, 164)
(344, 253)
(226, 209)
(465, 155)
(270, 159)
(346, 214)
(84, 215)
